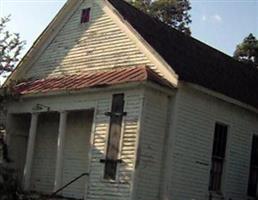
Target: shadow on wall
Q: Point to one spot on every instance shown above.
(79, 156)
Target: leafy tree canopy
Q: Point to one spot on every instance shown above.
(172, 12)
(247, 51)
(10, 47)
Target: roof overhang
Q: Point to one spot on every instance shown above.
(218, 96)
(92, 81)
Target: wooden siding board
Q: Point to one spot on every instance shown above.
(114, 136)
(78, 47)
(97, 189)
(153, 127)
(44, 160)
(191, 156)
(100, 189)
(77, 145)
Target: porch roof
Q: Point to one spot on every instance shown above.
(90, 80)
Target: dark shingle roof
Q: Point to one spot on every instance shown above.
(193, 60)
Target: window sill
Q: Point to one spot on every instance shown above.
(109, 181)
(113, 181)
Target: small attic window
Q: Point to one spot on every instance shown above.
(85, 17)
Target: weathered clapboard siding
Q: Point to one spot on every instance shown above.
(76, 150)
(151, 146)
(96, 45)
(97, 188)
(44, 160)
(121, 188)
(190, 159)
(133, 105)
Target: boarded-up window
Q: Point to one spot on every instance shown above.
(218, 157)
(85, 17)
(253, 174)
(114, 137)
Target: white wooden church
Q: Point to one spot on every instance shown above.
(140, 110)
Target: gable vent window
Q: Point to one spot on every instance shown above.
(218, 157)
(253, 173)
(85, 17)
(114, 137)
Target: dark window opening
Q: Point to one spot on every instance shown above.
(218, 157)
(85, 17)
(253, 173)
(114, 137)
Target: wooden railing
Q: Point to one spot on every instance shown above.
(66, 185)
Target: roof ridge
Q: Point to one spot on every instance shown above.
(191, 59)
(170, 28)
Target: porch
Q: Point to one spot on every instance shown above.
(54, 139)
(57, 131)
(53, 149)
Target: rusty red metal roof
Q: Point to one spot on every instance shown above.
(90, 80)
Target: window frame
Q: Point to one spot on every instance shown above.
(118, 160)
(249, 193)
(221, 159)
(82, 18)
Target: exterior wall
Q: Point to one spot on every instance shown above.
(97, 187)
(121, 188)
(76, 150)
(186, 173)
(190, 154)
(44, 159)
(151, 146)
(95, 45)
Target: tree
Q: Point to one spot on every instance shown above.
(247, 51)
(172, 12)
(10, 47)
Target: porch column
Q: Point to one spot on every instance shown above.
(60, 150)
(30, 150)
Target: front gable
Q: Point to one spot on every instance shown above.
(97, 44)
(102, 43)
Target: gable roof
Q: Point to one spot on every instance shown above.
(193, 60)
(52, 28)
(90, 80)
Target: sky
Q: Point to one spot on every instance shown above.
(221, 24)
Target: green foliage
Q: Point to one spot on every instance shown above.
(247, 51)
(10, 47)
(172, 12)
